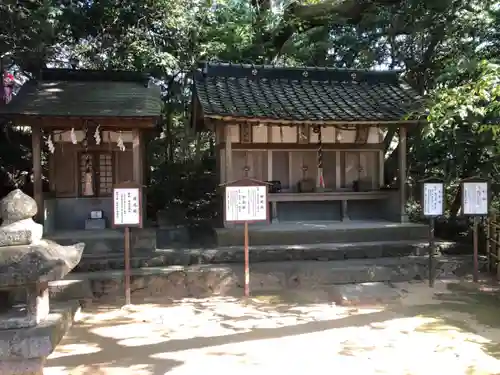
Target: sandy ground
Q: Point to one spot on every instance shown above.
(453, 329)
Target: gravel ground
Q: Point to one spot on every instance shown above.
(452, 329)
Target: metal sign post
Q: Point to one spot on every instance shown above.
(432, 207)
(127, 213)
(245, 201)
(476, 203)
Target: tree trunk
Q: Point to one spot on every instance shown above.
(168, 132)
(391, 132)
(456, 203)
(197, 152)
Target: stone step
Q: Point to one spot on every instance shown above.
(108, 240)
(258, 254)
(312, 234)
(176, 282)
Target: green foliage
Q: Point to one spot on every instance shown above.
(469, 94)
(447, 50)
(186, 191)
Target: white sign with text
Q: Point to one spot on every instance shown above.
(246, 203)
(126, 206)
(433, 198)
(475, 198)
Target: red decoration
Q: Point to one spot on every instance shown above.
(8, 86)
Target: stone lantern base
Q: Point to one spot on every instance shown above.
(24, 351)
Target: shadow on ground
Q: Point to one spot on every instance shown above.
(469, 309)
(154, 339)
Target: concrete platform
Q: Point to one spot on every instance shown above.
(322, 232)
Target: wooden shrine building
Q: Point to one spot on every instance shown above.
(316, 134)
(94, 125)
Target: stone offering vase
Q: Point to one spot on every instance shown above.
(27, 264)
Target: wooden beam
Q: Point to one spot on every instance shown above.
(36, 149)
(232, 120)
(296, 146)
(328, 196)
(106, 123)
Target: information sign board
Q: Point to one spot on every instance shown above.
(246, 203)
(127, 207)
(433, 203)
(475, 199)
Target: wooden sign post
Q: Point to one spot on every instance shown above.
(476, 203)
(245, 201)
(127, 213)
(432, 207)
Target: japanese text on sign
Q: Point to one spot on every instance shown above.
(433, 198)
(475, 198)
(246, 203)
(126, 206)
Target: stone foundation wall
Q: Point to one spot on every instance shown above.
(108, 241)
(207, 280)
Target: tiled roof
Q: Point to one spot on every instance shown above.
(86, 93)
(303, 94)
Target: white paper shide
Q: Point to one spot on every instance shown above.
(246, 203)
(433, 198)
(475, 198)
(126, 206)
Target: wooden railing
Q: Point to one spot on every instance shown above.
(493, 244)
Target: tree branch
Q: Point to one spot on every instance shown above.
(301, 18)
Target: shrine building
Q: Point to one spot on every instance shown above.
(95, 125)
(315, 134)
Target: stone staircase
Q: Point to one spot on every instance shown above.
(271, 243)
(261, 254)
(179, 273)
(195, 281)
(350, 256)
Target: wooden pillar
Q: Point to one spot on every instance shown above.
(338, 170)
(52, 169)
(228, 154)
(269, 165)
(138, 165)
(145, 170)
(137, 156)
(228, 162)
(381, 162)
(269, 154)
(274, 205)
(218, 170)
(36, 147)
(222, 165)
(402, 173)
